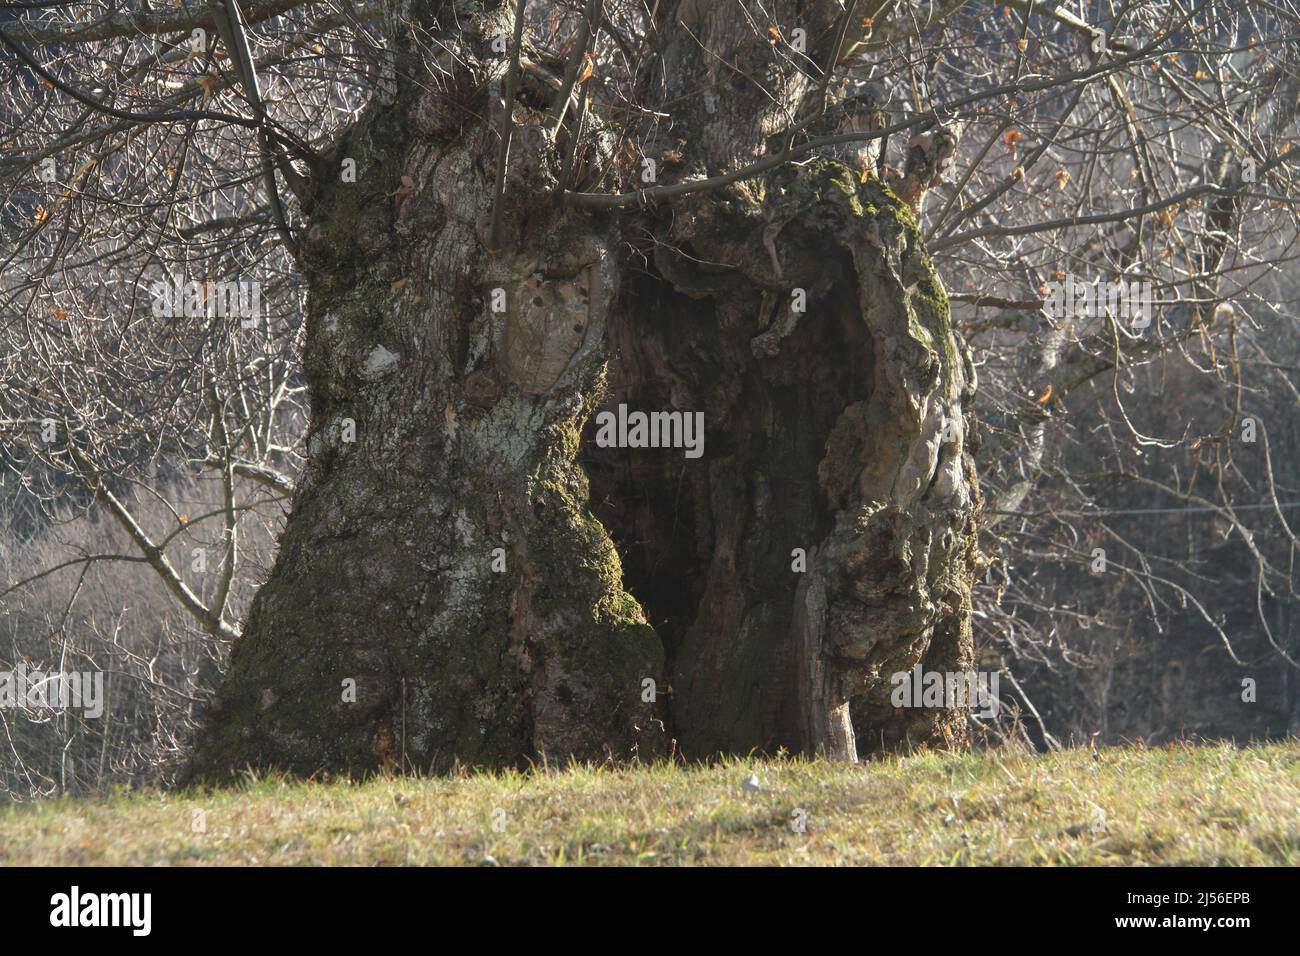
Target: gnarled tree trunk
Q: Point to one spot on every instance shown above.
(822, 541)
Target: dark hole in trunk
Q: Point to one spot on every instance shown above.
(725, 524)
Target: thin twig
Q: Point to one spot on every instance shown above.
(506, 126)
(586, 31)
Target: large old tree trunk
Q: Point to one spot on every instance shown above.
(821, 542)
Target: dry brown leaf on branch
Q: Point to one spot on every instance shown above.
(403, 194)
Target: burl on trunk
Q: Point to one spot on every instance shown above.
(468, 575)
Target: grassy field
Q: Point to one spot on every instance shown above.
(1209, 804)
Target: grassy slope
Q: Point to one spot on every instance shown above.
(1184, 805)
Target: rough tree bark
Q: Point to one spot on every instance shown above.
(838, 431)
